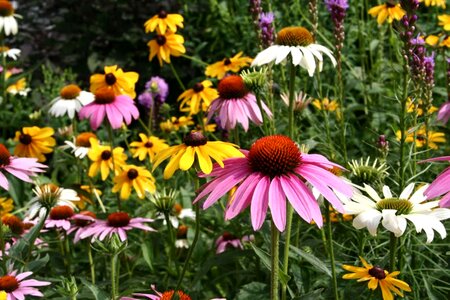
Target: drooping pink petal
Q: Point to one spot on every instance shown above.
(260, 202)
(439, 186)
(277, 204)
(330, 179)
(445, 201)
(4, 181)
(242, 196)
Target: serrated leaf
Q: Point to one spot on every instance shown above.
(311, 258)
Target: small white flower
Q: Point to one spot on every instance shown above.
(81, 145)
(70, 101)
(13, 53)
(8, 23)
(299, 43)
(394, 212)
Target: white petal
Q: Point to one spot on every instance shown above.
(283, 52)
(308, 61)
(387, 192)
(418, 196)
(369, 190)
(393, 223)
(296, 56)
(407, 191)
(327, 52)
(369, 219)
(266, 56)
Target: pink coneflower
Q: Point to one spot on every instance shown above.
(20, 167)
(167, 295)
(118, 223)
(83, 221)
(227, 240)
(60, 217)
(236, 104)
(440, 185)
(17, 288)
(117, 108)
(274, 169)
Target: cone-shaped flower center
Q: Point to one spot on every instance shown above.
(148, 145)
(83, 223)
(6, 8)
(402, 206)
(177, 208)
(83, 139)
(25, 139)
(104, 96)
(110, 79)
(182, 231)
(228, 236)
(162, 14)
(274, 155)
(106, 155)
(14, 223)
(377, 272)
(194, 139)
(8, 283)
(232, 87)
(132, 174)
(118, 219)
(294, 36)
(160, 39)
(169, 295)
(61, 212)
(48, 194)
(70, 92)
(198, 87)
(4, 156)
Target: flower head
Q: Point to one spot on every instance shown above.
(389, 10)
(440, 3)
(394, 212)
(17, 287)
(138, 178)
(274, 169)
(301, 100)
(163, 22)
(156, 90)
(6, 206)
(233, 64)
(418, 107)
(60, 217)
(117, 223)
(167, 295)
(148, 146)
(81, 144)
(199, 97)
(423, 138)
(163, 45)
(444, 21)
(236, 104)
(195, 145)
(365, 172)
(299, 43)
(122, 83)
(48, 196)
(265, 24)
(8, 23)
(227, 240)
(377, 276)
(175, 124)
(13, 53)
(34, 142)
(102, 156)
(325, 104)
(21, 168)
(440, 185)
(70, 101)
(82, 222)
(116, 108)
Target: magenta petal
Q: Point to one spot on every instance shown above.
(242, 196)
(445, 201)
(3, 181)
(318, 159)
(97, 117)
(440, 158)
(277, 204)
(260, 202)
(289, 189)
(440, 185)
(329, 179)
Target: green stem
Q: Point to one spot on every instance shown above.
(177, 77)
(274, 262)
(403, 127)
(195, 59)
(392, 251)
(171, 244)
(113, 277)
(111, 139)
(91, 262)
(5, 94)
(147, 129)
(331, 250)
(291, 99)
(196, 236)
(2, 249)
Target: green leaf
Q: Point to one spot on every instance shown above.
(265, 259)
(38, 264)
(312, 259)
(147, 254)
(254, 290)
(98, 294)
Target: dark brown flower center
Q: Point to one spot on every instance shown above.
(83, 223)
(160, 39)
(168, 295)
(110, 79)
(194, 139)
(377, 272)
(106, 155)
(228, 236)
(162, 14)
(118, 219)
(70, 92)
(25, 139)
(182, 232)
(6, 8)
(83, 139)
(232, 87)
(5, 156)
(8, 283)
(132, 174)
(198, 87)
(61, 212)
(227, 61)
(104, 96)
(148, 145)
(14, 223)
(294, 36)
(274, 155)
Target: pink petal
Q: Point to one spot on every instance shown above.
(277, 204)
(260, 202)
(3, 181)
(440, 185)
(242, 196)
(329, 179)
(445, 201)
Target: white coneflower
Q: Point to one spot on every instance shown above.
(70, 101)
(8, 23)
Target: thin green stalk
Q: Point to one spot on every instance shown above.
(114, 292)
(5, 94)
(291, 100)
(392, 251)
(275, 237)
(177, 77)
(171, 245)
(195, 59)
(2, 249)
(147, 129)
(331, 251)
(196, 236)
(91, 262)
(403, 127)
(111, 139)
